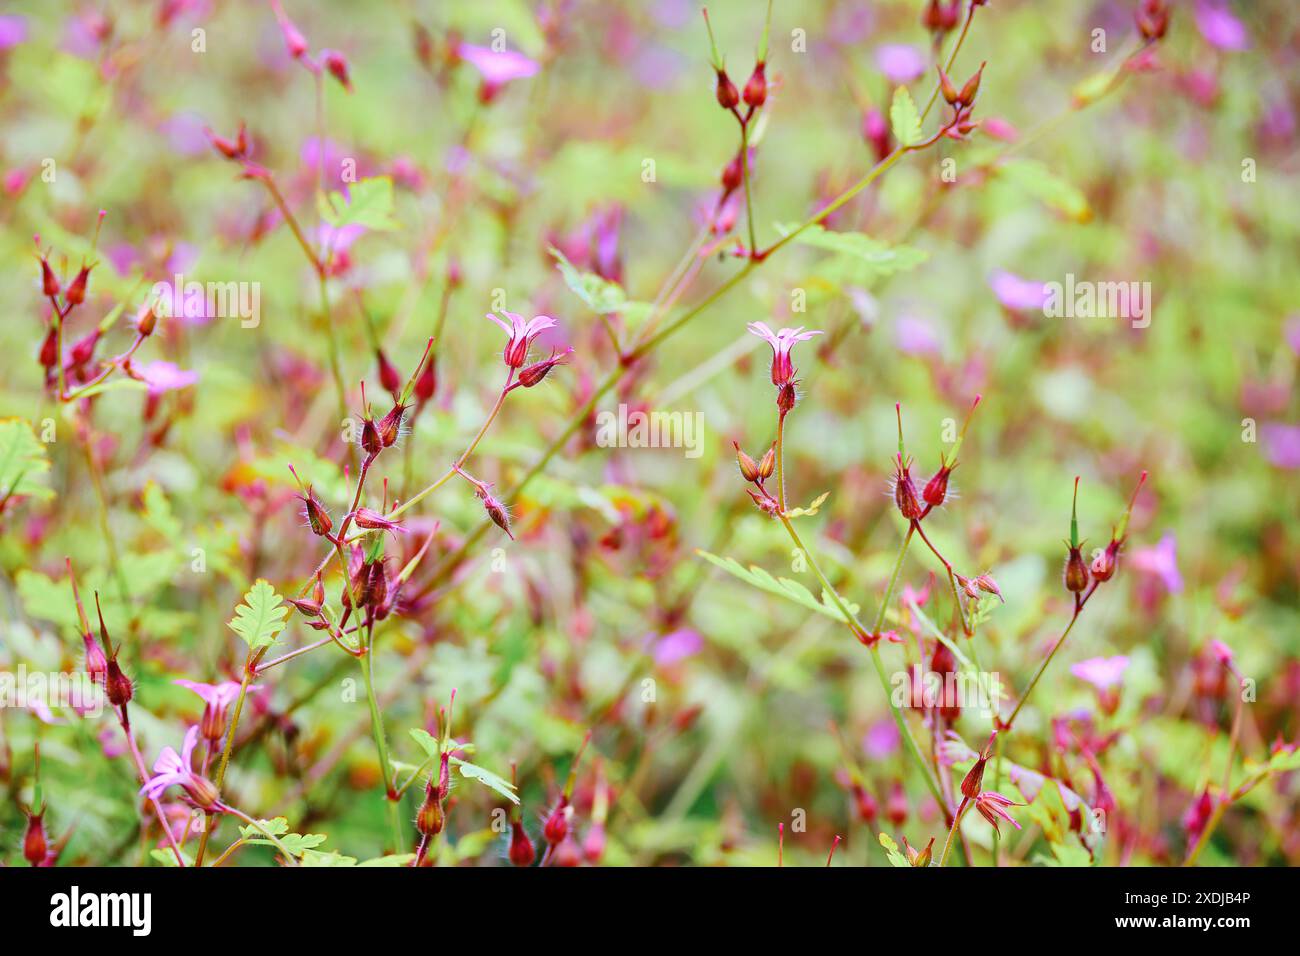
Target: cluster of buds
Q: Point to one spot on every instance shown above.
(757, 472)
(1152, 19)
(296, 44)
(1078, 575)
(962, 102)
(725, 91)
(63, 298)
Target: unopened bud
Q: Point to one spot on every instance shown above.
(728, 95)
(972, 87)
(371, 441)
(949, 91)
(557, 824)
(522, 852)
(389, 377)
(767, 464)
(49, 282)
(905, 491)
(116, 684)
(936, 489)
(317, 516)
(338, 68)
(756, 88)
(430, 820)
(76, 293)
(1076, 571)
(35, 847)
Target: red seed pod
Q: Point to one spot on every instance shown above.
(50, 349)
(972, 87)
(371, 441)
(146, 320)
(427, 383)
(76, 293)
(557, 824)
(35, 846)
(733, 175)
(390, 426)
(533, 374)
(950, 93)
(767, 464)
(748, 467)
(116, 684)
(986, 584)
(756, 87)
(1076, 571)
(84, 349)
(865, 803)
(932, 17)
(936, 489)
(728, 95)
(905, 490)
(389, 377)
(49, 283)
(430, 820)
(522, 852)
(497, 512)
(317, 516)
(1106, 562)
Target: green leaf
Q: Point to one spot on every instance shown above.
(369, 204)
(23, 462)
(1032, 177)
(879, 256)
(158, 513)
(812, 509)
(487, 778)
(393, 859)
(427, 741)
(600, 295)
(261, 617)
(784, 587)
(904, 118)
(166, 857)
(295, 843)
(896, 857)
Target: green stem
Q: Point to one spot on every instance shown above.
(249, 668)
(381, 743)
(956, 822)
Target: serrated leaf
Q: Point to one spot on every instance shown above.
(427, 741)
(896, 857)
(369, 203)
(487, 778)
(812, 508)
(261, 617)
(904, 119)
(23, 462)
(783, 587)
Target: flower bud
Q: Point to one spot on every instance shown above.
(728, 95)
(427, 383)
(756, 88)
(748, 467)
(533, 374)
(768, 463)
(96, 663)
(390, 426)
(896, 805)
(50, 348)
(497, 512)
(430, 820)
(733, 175)
(371, 441)
(116, 684)
(921, 857)
(338, 68)
(35, 846)
(521, 848)
(785, 398)
(972, 87)
(986, 584)
(146, 320)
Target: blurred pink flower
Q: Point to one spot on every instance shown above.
(497, 69)
(163, 376)
(1292, 333)
(1161, 561)
(1102, 673)
(915, 336)
(1220, 27)
(1017, 293)
(13, 31)
(900, 62)
(881, 739)
(1000, 129)
(677, 646)
(217, 696)
(1281, 444)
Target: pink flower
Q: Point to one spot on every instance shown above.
(1016, 293)
(782, 342)
(881, 740)
(1218, 25)
(677, 646)
(900, 63)
(1162, 562)
(1292, 332)
(522, 333)
(1102, 673)
(1281, 444)
(172, 769)
(163, 376)
(916, 336)
(497, 69)
(217, 699)
(13, 31)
